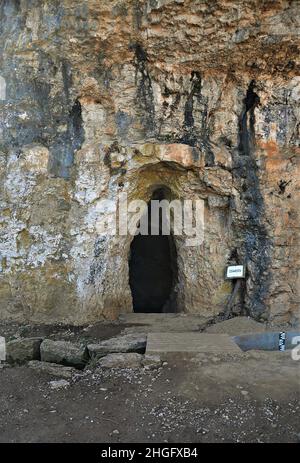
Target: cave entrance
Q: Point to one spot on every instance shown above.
(153, 269)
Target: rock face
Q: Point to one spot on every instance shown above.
(99, 98)
(63, 352)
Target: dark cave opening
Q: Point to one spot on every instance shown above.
(153, 269)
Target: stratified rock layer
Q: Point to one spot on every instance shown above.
(105, 97)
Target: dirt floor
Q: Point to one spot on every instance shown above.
(246, 397)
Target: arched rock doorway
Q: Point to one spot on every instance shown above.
(153, 268)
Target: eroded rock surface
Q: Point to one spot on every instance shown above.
(63, 352)
(127, 343)
(53, 369)
(22, 350)
(101, 98)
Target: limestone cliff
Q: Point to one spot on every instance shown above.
(102, 97)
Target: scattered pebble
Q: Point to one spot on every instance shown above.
(61, 383)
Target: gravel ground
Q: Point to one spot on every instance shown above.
(252, 397)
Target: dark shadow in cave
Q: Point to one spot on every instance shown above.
(153, 269)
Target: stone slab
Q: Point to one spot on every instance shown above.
(52, 369)
(162, 322)
(190, 342)
(135, 342)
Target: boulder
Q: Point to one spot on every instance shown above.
(126, 343)
(64, 352)
(121, 360)
(52, 369)
(21, 350)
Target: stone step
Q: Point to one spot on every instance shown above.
(162, 322)
(190, 342)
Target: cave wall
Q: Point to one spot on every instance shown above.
(98, 98)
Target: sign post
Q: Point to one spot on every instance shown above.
(234, 272)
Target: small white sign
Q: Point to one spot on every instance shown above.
(235, 271)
